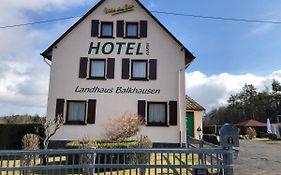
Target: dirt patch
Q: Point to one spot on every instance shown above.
(258, 157)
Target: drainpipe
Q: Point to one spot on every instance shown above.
(47, 62)
(180, 105)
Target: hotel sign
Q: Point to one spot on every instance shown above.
(130, 48)
(117, 90)
(116, 11)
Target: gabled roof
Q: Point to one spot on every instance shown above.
(252, 123)
(193, 105)
(189, 57)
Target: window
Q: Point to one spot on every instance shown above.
(76, 111)
(157, 114)
(139, 70)
(132, 29)
(97, 69)
(106, 29)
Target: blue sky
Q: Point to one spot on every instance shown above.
(220, 46)
(229, 54)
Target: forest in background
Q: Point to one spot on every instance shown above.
(20, 119)
(248, 104)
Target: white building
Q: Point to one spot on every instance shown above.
(118, 58)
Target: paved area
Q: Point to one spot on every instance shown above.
(259, 157)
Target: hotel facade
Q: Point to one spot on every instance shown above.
(118, 58)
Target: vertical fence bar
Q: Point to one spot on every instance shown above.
(99, 163)
(66, 162)
(227, 161)
(8, 163)
(124, 162)
(186, 163)
(180, 163)
(1, 164)
(111, 162)
(149, 163)
(161, 163)
(168, 168)
(118, 162)
(155, 163)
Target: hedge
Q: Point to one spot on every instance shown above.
(214, 129)
(11, 135)
(211, 138)
(112, 158)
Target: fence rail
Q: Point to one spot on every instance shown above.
(117, 161)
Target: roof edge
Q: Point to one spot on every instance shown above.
(188, 54)
(49, 49)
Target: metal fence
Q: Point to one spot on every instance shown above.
(117, 161)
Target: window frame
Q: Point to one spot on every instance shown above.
(101, 29)
(104, 72)
(146, 71)
(67, 122)
(158, 123)
(137, 31)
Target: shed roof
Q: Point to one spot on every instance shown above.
(193, 105)
(253, 123)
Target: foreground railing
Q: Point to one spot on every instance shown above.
(117, 161)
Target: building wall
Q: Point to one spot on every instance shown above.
(198, 121)
(170, 76)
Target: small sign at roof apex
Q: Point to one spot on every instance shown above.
(116, 11)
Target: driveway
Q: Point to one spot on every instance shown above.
(259, 157)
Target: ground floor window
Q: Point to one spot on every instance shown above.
(157, 113)
(76, 111)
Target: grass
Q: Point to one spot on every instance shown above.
(155, 159)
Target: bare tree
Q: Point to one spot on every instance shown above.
(50, 127)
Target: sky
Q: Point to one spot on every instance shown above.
(229, 54)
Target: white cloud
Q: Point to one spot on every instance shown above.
(39, 5)
(151, 5)
(212, 91)
(262, 28)
(24, 76)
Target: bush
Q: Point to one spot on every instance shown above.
(251, 133)
(30, 142)
(105, 144)
(144, 142)
(211, 138)
(123, 127)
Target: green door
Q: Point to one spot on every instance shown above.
(190, 124)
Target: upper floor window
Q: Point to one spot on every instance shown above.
(97, 68)
(132, 29)
(139, 70)
(106, 29)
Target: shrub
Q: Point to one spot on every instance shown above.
(211, 138)
(123, 127)
(30, 142)
(251, 133)
(103, 144)
(143, 142)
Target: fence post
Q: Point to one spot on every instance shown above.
(228, 161)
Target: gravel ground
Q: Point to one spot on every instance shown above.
(258, 157)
